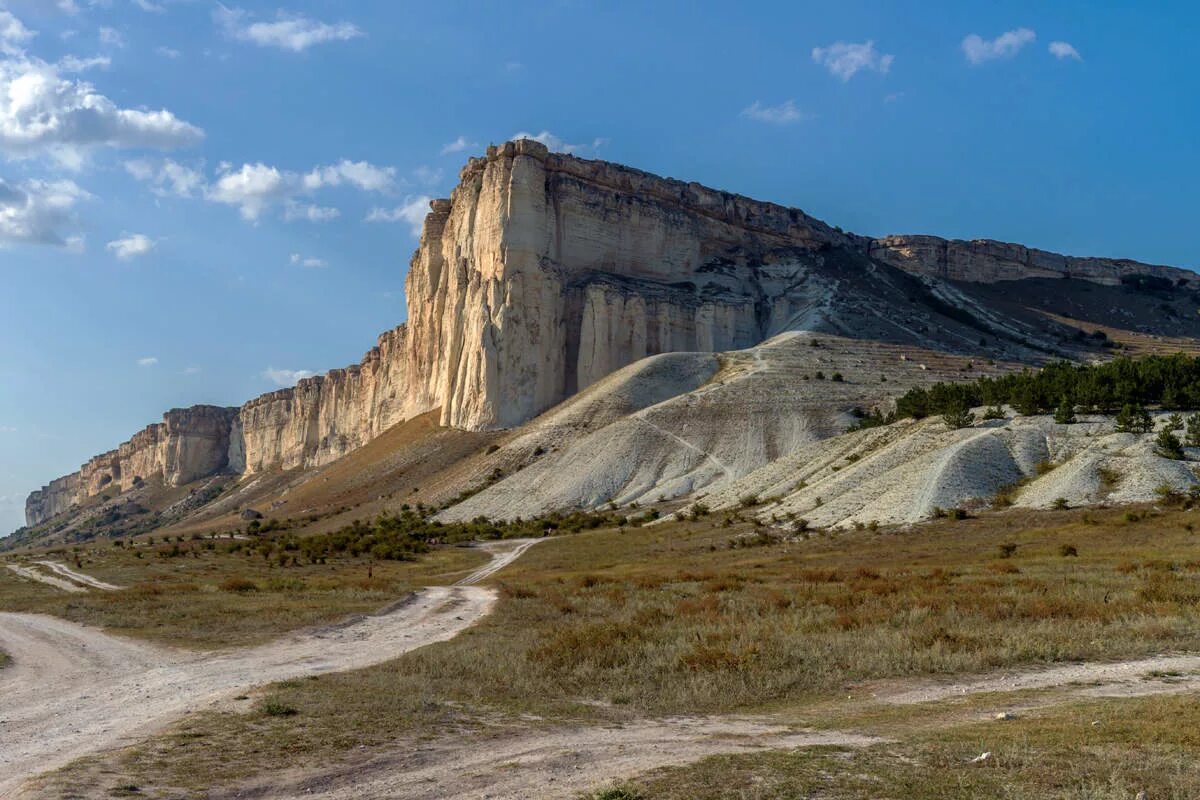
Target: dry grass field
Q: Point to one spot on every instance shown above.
(709, 616)
(1099, 750)
(195, 593)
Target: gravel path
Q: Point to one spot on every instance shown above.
(556, 763)
(1101, 679)
(72, 691)
(49, 580)
(79, 577)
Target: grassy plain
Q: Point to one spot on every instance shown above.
(671, 619)
(205, 598)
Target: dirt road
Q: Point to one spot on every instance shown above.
(72, 691)
(556, 763)
(79, 577)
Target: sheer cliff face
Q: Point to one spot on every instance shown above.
(545, 272)
(986, 261)
(542, 274)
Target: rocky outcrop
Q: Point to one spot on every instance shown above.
(543, 273)
(52, 499)
(987, 261)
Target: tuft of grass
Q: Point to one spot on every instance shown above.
(274, 708)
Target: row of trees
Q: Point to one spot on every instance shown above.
(1170, 382)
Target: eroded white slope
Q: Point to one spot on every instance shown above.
(672, 426)
(903, 472)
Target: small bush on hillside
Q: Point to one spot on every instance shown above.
(1132, 418)
(1192, 425)
(994, 412)
(1007, 549)
(626, 792)
(273, 708)
(837, 377)
(1060, 504)
(236, 583)
(1168, 445)
(1065, 413)
(1068, 551)
(1174, 422)
(958, 417)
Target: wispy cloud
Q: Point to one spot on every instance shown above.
(286, 377)
(783, 114)
(559, 145)
(298, 260)
(458, 145)
(50, 114)
(131, 246)
(412, 211)
(979, 50)
(148, 361)
(37, 212)
(1064, 50)
(294, 32)
(846, 59)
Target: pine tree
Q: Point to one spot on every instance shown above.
(958, 417)
(1134, 419)
(1065, 413)
(1193, 430)
(1168, 445)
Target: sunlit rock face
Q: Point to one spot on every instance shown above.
(542, 274)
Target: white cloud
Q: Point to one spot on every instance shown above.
(359, 174)
(7, 429)
(1064, 50)
(309, 212)
(13, 33)
(286, 377)
(252, 188)
(412, 211)
(782, 114)
(148, 361)
(111, 37)
(298, 260)
(168, 177)
(36, 211)
(1006, 45)
(294, 32)
(846, 59)
(457, 146)
(151, 8)
(256, 187)
(167, 52)
(558, 145)
(76, 64)
(43, 113)
(191, 370)
(131, 246)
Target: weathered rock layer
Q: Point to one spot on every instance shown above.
(540, 275)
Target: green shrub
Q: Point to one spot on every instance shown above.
(273, 708)
(1168, 445)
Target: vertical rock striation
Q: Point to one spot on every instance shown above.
(541, 274)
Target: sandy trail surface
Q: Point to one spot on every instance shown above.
(561, 762)
(79, 577)
(556, 763)
(72, 691)
(1157, 674)
(49, 580)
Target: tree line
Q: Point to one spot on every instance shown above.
(1169, 382)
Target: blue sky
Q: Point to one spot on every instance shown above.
(198, 201)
